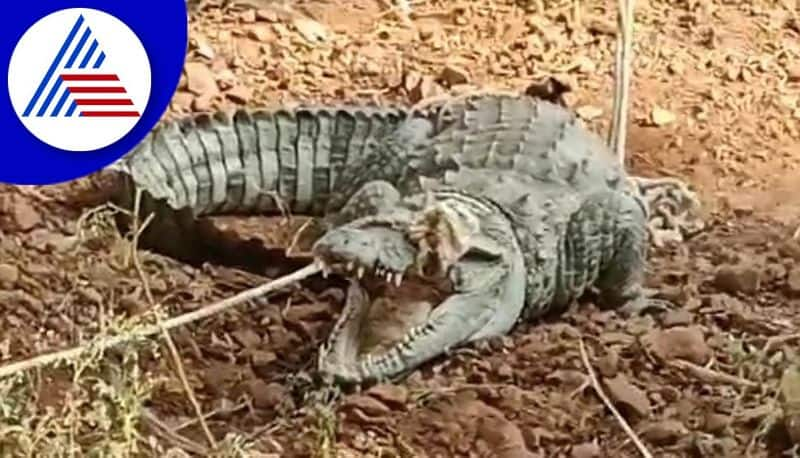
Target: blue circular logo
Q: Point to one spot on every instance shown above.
(86, 83)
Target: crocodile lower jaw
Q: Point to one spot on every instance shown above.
(384, 312)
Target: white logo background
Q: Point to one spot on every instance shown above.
(33, 55)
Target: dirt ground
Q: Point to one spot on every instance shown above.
(715, 101)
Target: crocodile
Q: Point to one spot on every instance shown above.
(548, 211)
(310, 160)
(485, 246)
(470, 259)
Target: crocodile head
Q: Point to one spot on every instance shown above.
(432, 273)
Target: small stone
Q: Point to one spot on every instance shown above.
(679, 342)
(203, 103)
(665, 432)
(735, 279)
(248, 16)
(428, 29)
(203, 48)
(239, 94)
(790, 249)
(624, 393)
(200, 80)
(676, 67)
(182, 100)
(266, 15)
(589, 112)
(585, 65)
(716, 422)
(741, 208)
(247, 338)
(261, 359)
(411, 80)
(775, 272)
(678, 317)
(226, 79)
(249, 51)
(793, 72)
(454, 75)
(367, 404)
(266, 396)
(587, 450)
(102, 274)
(661, 117)
(793, 281)
(218, 376)
(91, 295)
(24, 215)
(260, 32)
(599, 25)
(504, 371)
(608, 364)
(310, 29)
(308, 312)
(9, 274)
(426, 88)
(391, 395)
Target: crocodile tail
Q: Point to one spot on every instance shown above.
(264, 162)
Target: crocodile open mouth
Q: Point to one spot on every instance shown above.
(384, 312)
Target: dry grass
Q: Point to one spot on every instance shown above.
(92, 402)
(88, 406)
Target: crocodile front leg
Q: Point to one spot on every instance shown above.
(621, 277)
(605, 246)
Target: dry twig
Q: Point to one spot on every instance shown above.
(599, 390)
(774, 341)
(176, 358)
(622, 76)
(160, 429)
(150, 330)
(710, 375)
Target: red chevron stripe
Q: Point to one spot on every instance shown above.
(96, 102)
(109, 114)
(96, 89)
(91, 77)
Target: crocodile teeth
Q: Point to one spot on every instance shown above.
(398, 279)
(324, 267)
(350, 265)
(360, 272)
(389, 277)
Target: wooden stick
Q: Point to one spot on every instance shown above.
(151, 330)
(710, 375)
(599, 390)
(622, 76)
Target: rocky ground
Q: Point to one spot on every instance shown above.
(716, 101)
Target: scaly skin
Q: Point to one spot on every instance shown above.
(565, 199)
(470, 285)
(486, 263)
(310, 160)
